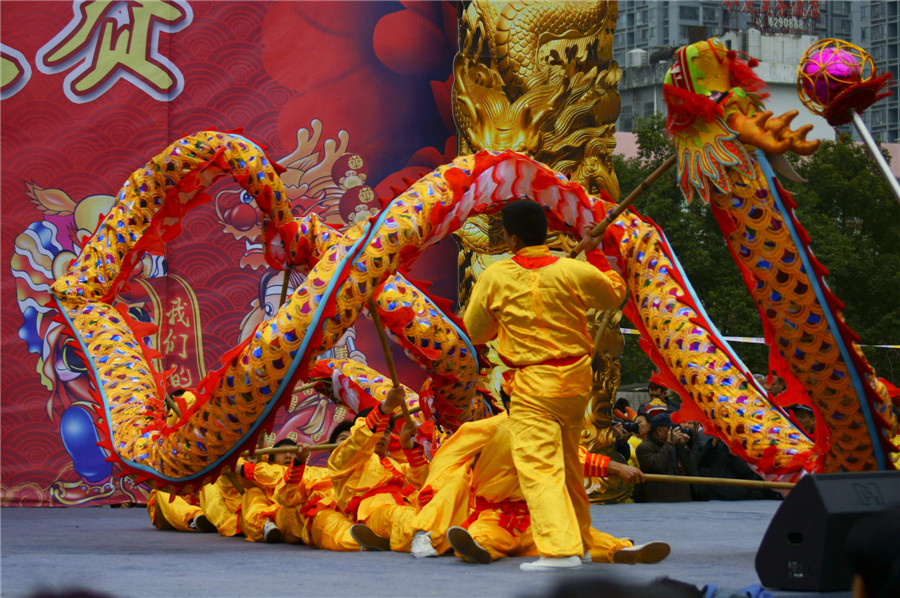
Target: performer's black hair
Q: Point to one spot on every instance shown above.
(527, 220)
(286, 442)
(341, 427)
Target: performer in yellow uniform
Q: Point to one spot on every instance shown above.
(372, 487)
(258, 505)
(221, 502)
(182, 513)
(480, 507)
(309, 512)
(167, 511)
(499, 524)
(535, 304)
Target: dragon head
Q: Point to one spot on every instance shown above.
(714, 102)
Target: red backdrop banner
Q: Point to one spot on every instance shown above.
(350, 97)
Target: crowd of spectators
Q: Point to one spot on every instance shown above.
(648, 439)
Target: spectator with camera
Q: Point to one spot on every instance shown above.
(665, 451)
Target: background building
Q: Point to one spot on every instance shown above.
(777, 32)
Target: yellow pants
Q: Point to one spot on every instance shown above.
(545, 435)
(256, 509)
(222, 509)
(166, 515)
(501, 542)
(329, 530)
(448, 507)
(392, 521)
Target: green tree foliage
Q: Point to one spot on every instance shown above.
(853, 222)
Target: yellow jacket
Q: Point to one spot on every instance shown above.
(357, 473)
(536, 305)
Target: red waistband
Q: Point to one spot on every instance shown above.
(398, 492)
(514, 514)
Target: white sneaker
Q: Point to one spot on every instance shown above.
(422, 547)
(547, 563)
(587, 559)
(651, 552)
(271, 533)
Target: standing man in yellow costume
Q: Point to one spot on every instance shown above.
(536, 305)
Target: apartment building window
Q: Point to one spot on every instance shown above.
(689, 13)
(876, 11)
(878, 32)
(843, 27)
(642, 17)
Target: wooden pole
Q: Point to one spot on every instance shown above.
(382, 336)
(313, 448)
(624, 205)
(284, 286)
(306, 386)
(171, 404)
(687, 479)
(229, 475)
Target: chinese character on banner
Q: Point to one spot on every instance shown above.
(109, 41)
(731, 5)
(812, 10)
(765, 8)
(175, 344)
(749, 7)
(782, 8)
(176, 312)
(798, 8)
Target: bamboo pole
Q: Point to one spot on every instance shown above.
(382, 336)
(624, 205)
(229, 475)
(687, 479)
(284, 286)
(171, 404)
(273, 450)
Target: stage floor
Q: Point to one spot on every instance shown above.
(118, 552)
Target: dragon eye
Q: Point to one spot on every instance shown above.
(246, 197)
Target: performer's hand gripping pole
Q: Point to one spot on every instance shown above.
(382, 336)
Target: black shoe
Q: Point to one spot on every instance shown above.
(463, 543)
(203, 525)
(651, 552)
(271, 533)
(367, 539)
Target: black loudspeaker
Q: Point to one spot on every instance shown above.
(803, 549)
